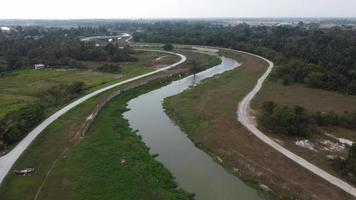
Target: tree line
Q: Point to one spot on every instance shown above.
(322, 58)
(297, 121)
(24, 47)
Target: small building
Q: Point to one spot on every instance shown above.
(5, 29)
(39, 66)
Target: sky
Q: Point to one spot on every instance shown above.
(137, 9)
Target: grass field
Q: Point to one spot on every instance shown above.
(310, 98)
(24, 86)
(111, 162)
(207, 113)
(145, 59)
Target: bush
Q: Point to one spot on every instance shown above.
(327, 119)
(347, 167)
(286, 120)
(14, 126)
(60, 94)
(168, 47)
(299, 122)
(349, 120)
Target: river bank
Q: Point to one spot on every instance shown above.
(195, 171)
(207, 114)
(49, 151)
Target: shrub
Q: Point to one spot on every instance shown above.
(14, 126)
(60, 94)
(347, 167)
(286, 120)
(168, 47)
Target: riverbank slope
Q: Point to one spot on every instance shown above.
(207, 114)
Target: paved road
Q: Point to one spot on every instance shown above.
(244, 118)
(7, 161)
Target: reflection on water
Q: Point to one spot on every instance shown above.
(195, 171)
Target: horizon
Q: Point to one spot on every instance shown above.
(175, 18)
(175, 9)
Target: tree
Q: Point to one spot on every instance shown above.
(13, 60)
(315, 79)
(286, 120)
(75, 88)
(168, 47)
(16, 124)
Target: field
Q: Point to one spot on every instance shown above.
(313, 100)
(145, 59)
(24, 86)
(310, 98)
(110, 162)
(207, 113)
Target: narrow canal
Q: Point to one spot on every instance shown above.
(195, 171)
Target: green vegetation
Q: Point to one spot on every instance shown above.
(310, 98)
(42, 154)
(60, 94)
(168, 47)
(196, 67)
(26, 46)
(53, 88)
(48, 88)
(323, 58)
(16, 125)
(207, 113)
(114, 152)
(110, 68)
(324, 108)
(110, 163)
(297, 121)
(297, 71)
(196, 109)
(285, 120)
(347, 167)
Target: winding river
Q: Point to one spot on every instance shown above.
(195, 171)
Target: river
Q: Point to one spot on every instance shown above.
(195, 171)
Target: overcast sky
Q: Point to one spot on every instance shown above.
(74, 9)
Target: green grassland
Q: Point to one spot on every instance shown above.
(145, 59)
(24, 86)
(310, 98)
(111, 162)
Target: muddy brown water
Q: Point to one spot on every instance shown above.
(194, 170)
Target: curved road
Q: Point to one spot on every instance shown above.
(244, 118)
(8, 160)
